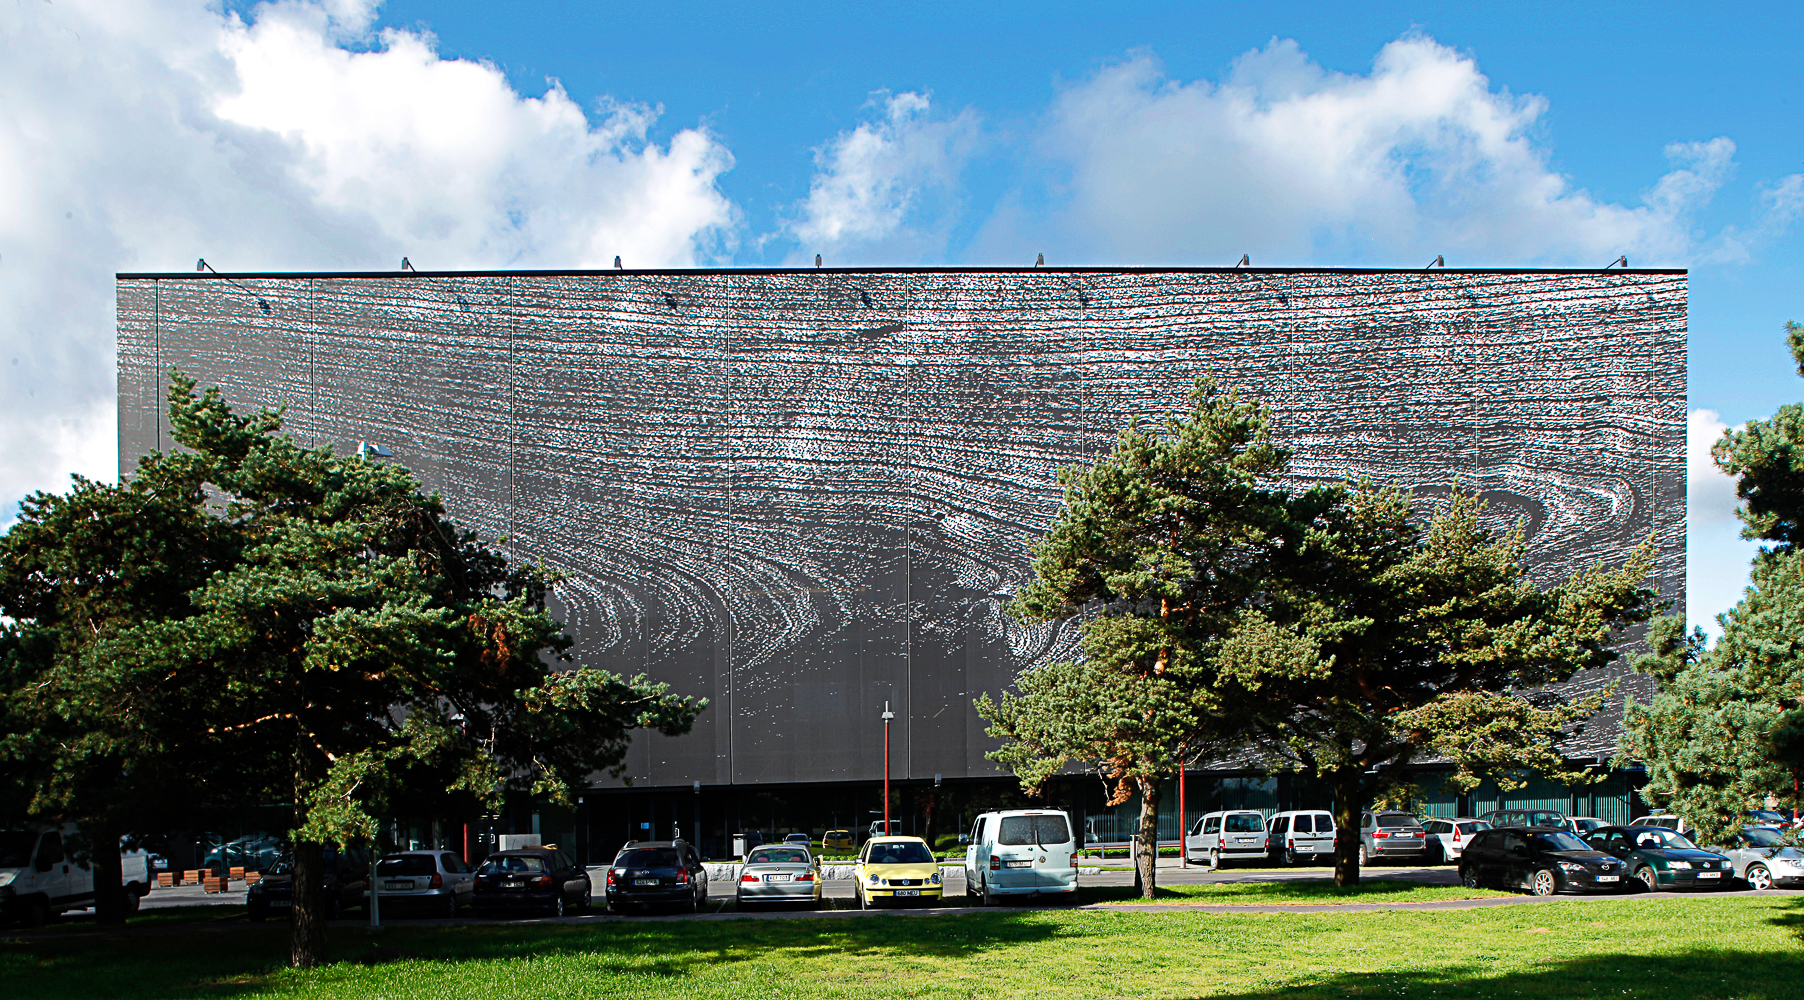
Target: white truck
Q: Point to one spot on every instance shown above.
(38, 879)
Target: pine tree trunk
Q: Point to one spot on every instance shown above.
(307, 942)
(1348, 808)
(109, 873)
(1146, 870)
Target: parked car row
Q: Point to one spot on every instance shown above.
(430, 883)
(1548, 859)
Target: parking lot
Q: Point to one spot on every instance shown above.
(839, 896)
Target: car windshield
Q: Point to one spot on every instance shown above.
(512, 864)
(15, 847)
(1559, 840)
(837, 834)
(1242, 823)
(1655, 838)
(1396, 820)
(903, 852)
(1020, 831)
(1546, 819)
(1765, 816)
(1473, 827)
(792, 856)
(407, 864)
(1762, 837)
(652, 857)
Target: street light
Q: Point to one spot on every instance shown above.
(887, 716)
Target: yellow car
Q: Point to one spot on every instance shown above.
(838, 840)
(896, 870)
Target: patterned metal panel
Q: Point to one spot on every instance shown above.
(804, 494)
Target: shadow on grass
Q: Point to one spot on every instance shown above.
(1694, 974)
(246, 959)
(1287, 891)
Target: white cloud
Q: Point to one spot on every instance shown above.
(1716, 556)
(1292, 163)
(1709, 493)
(871, 182)
(137, 135)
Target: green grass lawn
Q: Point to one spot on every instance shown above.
(1370, 890)
(1707, 948)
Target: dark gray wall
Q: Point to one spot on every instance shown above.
(802, 494)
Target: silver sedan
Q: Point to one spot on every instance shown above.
(1762, 860)
(781, 873)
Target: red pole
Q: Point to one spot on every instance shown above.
(1183, 817)
(466, 843)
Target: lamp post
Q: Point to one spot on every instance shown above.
(887, 716)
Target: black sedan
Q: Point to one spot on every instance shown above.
(542, 879)
(1540, 859)
(1663, 859)
(344, 884)
(657, 873)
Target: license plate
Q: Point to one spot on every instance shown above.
(908, 892)
(1020, 864)
(1609, 878)
(281, 904)
(398, 886)
(779, 878)
(645, 881)
(513, 885)
(1247, 840)
(1710, 874)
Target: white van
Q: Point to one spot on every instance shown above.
(39, 879)
(1021, 852)
(1305, 836)
(1221, 837)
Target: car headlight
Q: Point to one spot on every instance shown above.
(1678, 864)
(1571, 867)
(873, 880)
(933, 879)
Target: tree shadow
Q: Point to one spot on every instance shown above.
(1695, 974)
(241, 960)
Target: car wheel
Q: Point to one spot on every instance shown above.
(863, 902)
(1542, 883)
(1290, 857)
(1214, 860)
(586, 903)
(989, 898)
(1759, 878)
(694, 905)
(131, 901)
(1435, 855)
(1468, 877)
(37, 913)
(557, 905)
(1362, 856)
(1648, 879)
(335, 907)
(450, 906)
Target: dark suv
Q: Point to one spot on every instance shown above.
(1542, 860)
(345, 884)
(657, 872)
(531, 878)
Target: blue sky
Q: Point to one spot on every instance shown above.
(138, 135)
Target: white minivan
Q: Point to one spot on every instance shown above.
(1302, 837)
(1021, 852)
(1221, 837)
(38, 879)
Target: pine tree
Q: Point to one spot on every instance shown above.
(346, 638)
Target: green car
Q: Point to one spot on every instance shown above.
(1662, 858)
